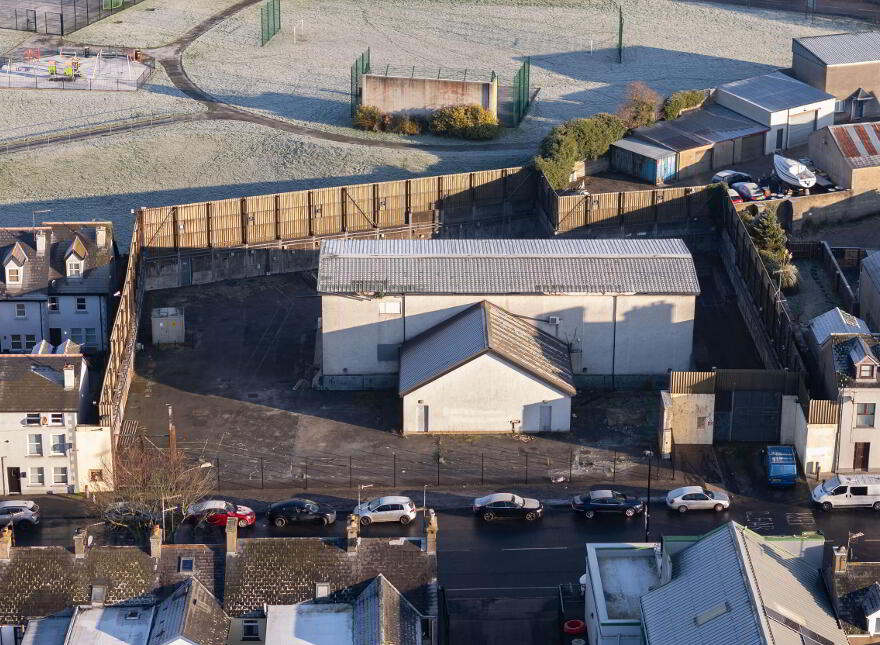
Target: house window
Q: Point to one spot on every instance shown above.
(13, 275)
(389, 307)
(81, 304)
(59, 475)
(32, 419)
(91, 337)
(250, 629)
(76, 335)
(865, 415)
(16, 343)
(96, 475)
(38, 477)
(59, 444)
(186, 565)
(779, 134)
(53, 304)
(866, 371)
(35, 445)
(57, 418)
(840, 106)
(29, 341)
(74, 269)
(20, 310)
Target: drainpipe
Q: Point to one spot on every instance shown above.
(613, 337)
(3, 472)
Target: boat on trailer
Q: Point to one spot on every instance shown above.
(793, 172)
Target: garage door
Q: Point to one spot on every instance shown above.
(722, 155)
(800, 126)
(694, 162)
(752, 147)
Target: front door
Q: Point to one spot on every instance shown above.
(546, 415)
(54, 336)
(423, 418)
(14, 477)
(860, 455)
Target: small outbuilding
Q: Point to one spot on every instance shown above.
(850, 154)
(791, 110)
(485, 370)
(643, 159)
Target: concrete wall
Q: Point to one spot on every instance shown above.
(421, 96)
(809, 70)
(457, 401)
(825, 154)
(93, 452)
(833, 208)
(814, 443)
(353, 328)
(869, 300)
(693, 418)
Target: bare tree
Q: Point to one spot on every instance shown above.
(640, 107)
(148, 482)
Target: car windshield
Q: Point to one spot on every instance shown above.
(709, 494)
(311, 508)
(516, 499)
(376, 503)
(619, 496)
(229, 508)
(830, 485)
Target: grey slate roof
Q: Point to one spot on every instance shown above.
(849, 591)
(846, 351)
(836, 321)
(190, 613)
(775, 92)
(34, 383)
(479, 329)
(383, 615)
(842, 49)
(644, 148)
(507, 266)
(699, 128)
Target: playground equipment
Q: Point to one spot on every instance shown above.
(103, 60)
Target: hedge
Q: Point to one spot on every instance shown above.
(676, 103)
(576, 140)
(465, 122)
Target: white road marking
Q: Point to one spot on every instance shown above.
(756, 520)
(538, 548)
(800, 519)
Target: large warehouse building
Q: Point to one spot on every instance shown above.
(607, 301)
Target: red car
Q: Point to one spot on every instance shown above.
(216, 511)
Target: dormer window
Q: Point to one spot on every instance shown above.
(866, 371)
(13, 275)
(74, 268)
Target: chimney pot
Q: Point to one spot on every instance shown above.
(5, 543)
(352, 529)
(79, 543)
(231, 535)
(101, 237)
(42, 239)
(839, 559)
(69, 379)
(156, 542)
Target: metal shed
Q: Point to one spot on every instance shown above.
(168, 326)
(647, 161)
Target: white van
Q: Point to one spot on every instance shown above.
(843, 491)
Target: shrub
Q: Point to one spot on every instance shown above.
(595, 135)
(640, 107)
(768, 233)
(404, 124)
(677, 102)
(781, 270)
(464, 121)
(368, 117)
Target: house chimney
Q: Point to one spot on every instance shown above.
(156, 542)
(839, 563)
(5, 543)
(231, 535)
(351, 534)
(69, 376)
(79, 544)
(42, 238)
(430, 532)
(101, 237)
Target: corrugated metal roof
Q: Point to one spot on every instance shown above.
(699, 128)
(836, 321)
(775, 92)
(859, 143)
(843, 49)
(644, 148)
(480, 328)
(507, 266)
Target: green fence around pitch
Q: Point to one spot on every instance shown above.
(270, 19)
(522, 91)
(360, 67)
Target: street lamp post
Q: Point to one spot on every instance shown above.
(204, 464)
(360, 488)
(648, 454)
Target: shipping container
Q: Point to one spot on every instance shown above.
(643, 160)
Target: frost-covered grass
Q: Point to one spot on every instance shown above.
(151, 23)
(10, 39)
(670, 45)
(109, 176)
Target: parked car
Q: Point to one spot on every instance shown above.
(749, 191)
(693, 498)
(299, 510)
(20, 511)
(386, 509)
(216, 511)
(848, 491)
(508, 506)
(730, 177)
(606, 501)
(129, 514)
(734, 196)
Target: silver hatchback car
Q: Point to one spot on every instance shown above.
(20, 512)
(386, 509)
(693, 498)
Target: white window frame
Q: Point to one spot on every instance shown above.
(839, 106)
(54, 443)
(20, 310)
(32, 419)
(56, 419)
(52, 305)
(30, 341)
(76, 335)
(866, 368)
(37, 476)
(81, 300)
(16, 342)
(74, 269)
(13, 275)
(861, 419)
(59, 472)
(35, 444)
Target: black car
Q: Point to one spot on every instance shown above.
(606, 501)
(502, 506)
(299, 510)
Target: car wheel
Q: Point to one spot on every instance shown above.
(324, 521)
(405, 519)
(589, 514)
(629, 512)
(242, 523)
(488, 516)
(877, 506)
(366, 521)
(827, 506)
(531, 516)
(682, 509)
(719, 508)
(280, 522)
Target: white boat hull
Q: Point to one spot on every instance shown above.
(793, 172)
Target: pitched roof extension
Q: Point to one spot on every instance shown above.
(836, 321)
(507, 266)
(699, 128)
(859, 143)
(775, 92)
(842, 49)
(479, 329)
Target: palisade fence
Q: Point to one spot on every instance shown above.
(59, 17)
(521, 92)
(270, 20)
(359, 67)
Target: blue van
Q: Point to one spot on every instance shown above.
(781, 466)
